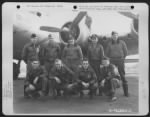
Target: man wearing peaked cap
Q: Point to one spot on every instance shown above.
(33, 35)
(50, 52)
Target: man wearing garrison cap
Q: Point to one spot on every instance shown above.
(30, 52)
(117, 51)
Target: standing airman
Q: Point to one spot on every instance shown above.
(72, 54)
(117, 51)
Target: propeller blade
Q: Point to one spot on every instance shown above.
(133, 32)
(78, 18)
(50, 29)
(129, 14)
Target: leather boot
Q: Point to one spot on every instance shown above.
(125, 89)
(25, 93)
(100, 92)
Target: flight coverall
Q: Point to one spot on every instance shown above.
(111, 78)
(64, 76)
(95, 55)
(117, 51)
(42, 82)
(87, 76)
(72, 56)
(50, 53)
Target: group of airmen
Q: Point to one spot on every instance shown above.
(67, 72)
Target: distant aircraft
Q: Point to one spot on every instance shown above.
(81, 27)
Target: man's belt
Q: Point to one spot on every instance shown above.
(52, 60)
(32, 59)
(72, 59)
(98, 60)
(117, 58)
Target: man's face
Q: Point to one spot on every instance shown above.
(34, 40)
(35, 64)
(94, 39)
(105, 62)
(71, 42)
(58, 64)
(115, 36)
(50, 38)
(85, 64)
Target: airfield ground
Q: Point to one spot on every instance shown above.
(75, 105)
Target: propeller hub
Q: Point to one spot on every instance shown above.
(75, 31)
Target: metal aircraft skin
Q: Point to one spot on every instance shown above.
(80, 24)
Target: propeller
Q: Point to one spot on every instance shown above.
(77, 19)
(75, 22)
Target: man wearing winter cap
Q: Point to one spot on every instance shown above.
(95, 54)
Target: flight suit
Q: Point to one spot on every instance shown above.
(95, 55)
(50, 53)
(117, 51)
(64, 75)
(30, 53)
(87, 76)
(42, 82)
(72, 56)
(111, 78)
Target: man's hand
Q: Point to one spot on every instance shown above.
(86, 85)
(35, 80)
(31, 87)
(57, 80)
(102, 83)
